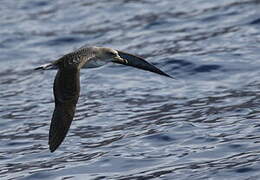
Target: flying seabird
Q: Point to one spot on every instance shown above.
(66, 87)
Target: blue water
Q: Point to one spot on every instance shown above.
(132, 124)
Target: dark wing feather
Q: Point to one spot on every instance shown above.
(140, 63)
(66, 92)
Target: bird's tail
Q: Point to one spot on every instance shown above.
(46, 67)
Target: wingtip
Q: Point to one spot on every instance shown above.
(52, 150)
(140, 63)
(53, 143)
(165, 74)
(53, 147)
(169, 76)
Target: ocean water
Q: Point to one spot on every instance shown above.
(132, 124)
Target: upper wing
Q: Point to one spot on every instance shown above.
(66, 92)
(140, 63)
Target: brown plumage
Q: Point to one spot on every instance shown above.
(67, 83)
(66, 92)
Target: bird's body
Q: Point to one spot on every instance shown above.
(67, 83)
(84, 57)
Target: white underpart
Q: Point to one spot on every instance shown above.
(95, 63)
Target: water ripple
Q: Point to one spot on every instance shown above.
(132, 124)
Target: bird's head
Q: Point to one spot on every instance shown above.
(111, 55)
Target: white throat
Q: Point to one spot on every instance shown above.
(95, 63)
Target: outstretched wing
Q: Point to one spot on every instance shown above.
(66, 92)
(139, 63)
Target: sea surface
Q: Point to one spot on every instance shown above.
(133, 124)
